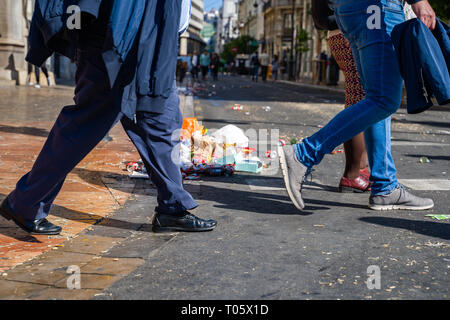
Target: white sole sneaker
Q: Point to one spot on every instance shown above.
(284, 171)
(398, 207)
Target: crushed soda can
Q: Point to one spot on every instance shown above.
(134, 166)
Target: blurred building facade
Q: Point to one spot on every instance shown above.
(191, 40)
(228, 27)
(13, 40)
(15, 21)
(276, 24)
(210, 27)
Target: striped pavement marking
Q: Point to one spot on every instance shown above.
(426, 184)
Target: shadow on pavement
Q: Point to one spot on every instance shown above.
(9, 228)
(31, 131)
(432, 157)
(230, 198)
(427, 228)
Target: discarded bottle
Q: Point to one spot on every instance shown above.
(216, 171)
(424, 160)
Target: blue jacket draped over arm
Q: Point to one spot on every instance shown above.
(424, 59)
(140, 50)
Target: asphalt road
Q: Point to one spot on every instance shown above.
(263, 248)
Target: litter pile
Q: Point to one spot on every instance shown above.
(220, 153)
(198, 90)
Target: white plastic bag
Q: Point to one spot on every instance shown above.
(230, 135)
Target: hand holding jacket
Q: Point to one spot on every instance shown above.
(425, 13)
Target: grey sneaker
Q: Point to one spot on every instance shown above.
(399, 199)
(294, 174)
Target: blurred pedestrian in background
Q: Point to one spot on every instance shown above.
(275, 67)
(194, 63)
(264, 62)
(254, 62)
(215, 65)
(181, 70)
(37, 72)
(205, 61)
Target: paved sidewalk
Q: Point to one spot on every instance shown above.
(263, 248)
(91, 192)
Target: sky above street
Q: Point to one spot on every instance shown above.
(210, 4)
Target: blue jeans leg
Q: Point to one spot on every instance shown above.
(379, 71)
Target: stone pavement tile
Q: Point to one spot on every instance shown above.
(112, 266)
(114, 227)
(63, 294)
(48, 268)
(92, 281)
(45, 274)
(14, 290)
(142, 245)
(90, 244)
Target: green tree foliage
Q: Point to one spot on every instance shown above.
(244, 44)
(442, 9)
(302, 41)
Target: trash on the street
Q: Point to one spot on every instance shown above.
(266, 108)
(230, 135)
(248, 165)
(294, 141)
(220, 170)
(203, 148)
(220, 153)
(139, 175)
(193, 176)
(424, 160)
(337, 151)
(134, 166)
(271, 154)
(136, 169)
(281, 142)
(439, 216)
(247, 113)
(190, 125)
(238, 107)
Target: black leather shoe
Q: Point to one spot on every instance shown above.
(182, 222)
(41, 226)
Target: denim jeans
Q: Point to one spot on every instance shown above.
(369, 37)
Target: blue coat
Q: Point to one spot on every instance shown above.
(424, 59)
(140, 50)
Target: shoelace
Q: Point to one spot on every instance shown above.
(305, 177)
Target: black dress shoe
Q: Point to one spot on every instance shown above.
(41, 226)
(181, 222)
